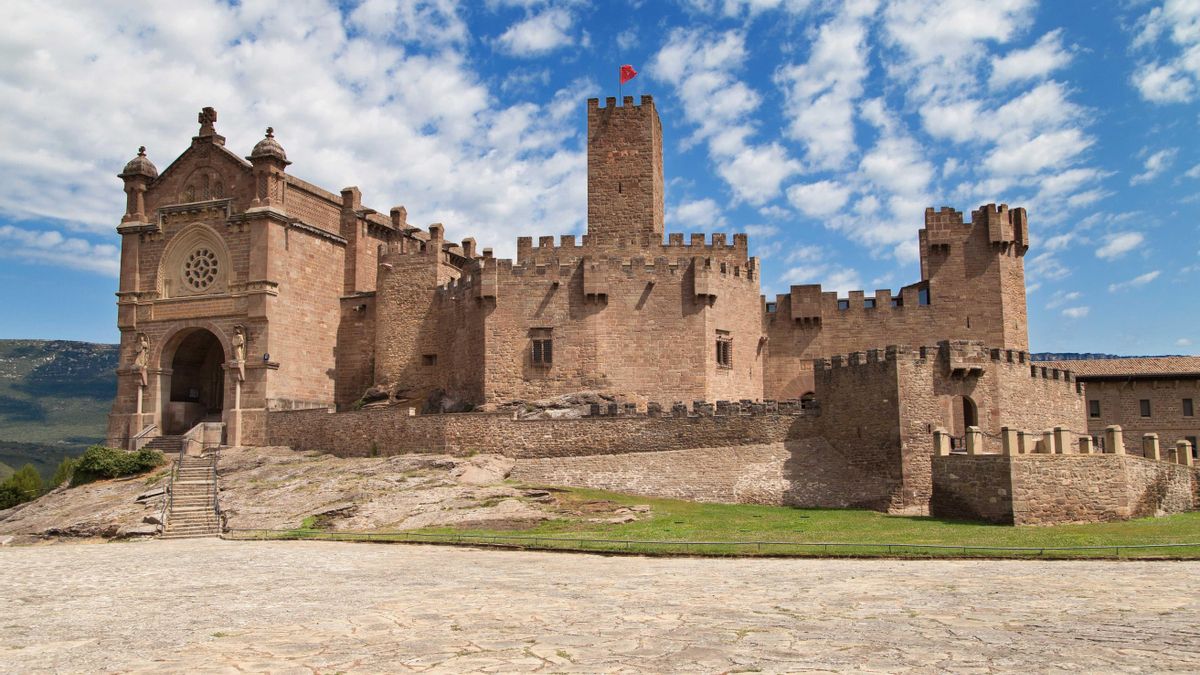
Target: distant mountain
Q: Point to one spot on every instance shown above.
(1078, 356)
(54, 399)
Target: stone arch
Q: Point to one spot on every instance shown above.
(195, 262)
(193, 361)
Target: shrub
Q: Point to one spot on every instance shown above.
(65, 470)
(23, 486)
(99, 462)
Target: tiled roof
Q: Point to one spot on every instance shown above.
(1130, 367)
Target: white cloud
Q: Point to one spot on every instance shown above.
(538, 34)
(627, 39)
(1193, 172)
(821, 93)
(1060, 298)
(1154, 165)
(942, 44)
(1045, 267)
(1043, 58)
(1076, 312)
(344, 102)
(1183, 342)
(1117, 245)
(819, 199)
(53, 248)
(426, 21)
(1174, 78)
(1140, 280)
(700, 66)
(830, 277)
(759, 230)
(806, 253)
(700, 215)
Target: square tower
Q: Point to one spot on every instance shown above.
(625, 171)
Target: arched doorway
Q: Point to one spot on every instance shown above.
(963, 413)
(197, 384)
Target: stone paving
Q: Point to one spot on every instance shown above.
(212, 605)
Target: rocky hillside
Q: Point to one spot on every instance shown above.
(54, 400)
(278, 488)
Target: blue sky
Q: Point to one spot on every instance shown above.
(823, 129)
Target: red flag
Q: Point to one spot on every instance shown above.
(627, 73)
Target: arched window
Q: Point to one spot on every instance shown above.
(808, 400)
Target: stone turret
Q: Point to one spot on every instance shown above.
(138, 174)
(270, 161)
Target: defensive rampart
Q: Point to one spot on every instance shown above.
(388, 431)
(1046, 488)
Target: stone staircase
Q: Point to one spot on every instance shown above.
(167, 445)
(193, 512)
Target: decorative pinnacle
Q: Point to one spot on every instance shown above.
(270, 132)
(141, 151)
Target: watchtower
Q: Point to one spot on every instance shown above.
(625, 171)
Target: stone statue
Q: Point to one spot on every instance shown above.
(141, 356)
(239, 350)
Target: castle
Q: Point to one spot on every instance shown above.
(247, 294)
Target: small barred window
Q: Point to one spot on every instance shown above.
(724, 349)
(542, 347)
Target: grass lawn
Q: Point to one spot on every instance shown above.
(673, 522)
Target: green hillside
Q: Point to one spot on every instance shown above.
(54, 400)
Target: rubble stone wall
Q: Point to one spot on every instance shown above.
(1053, 489)
(389, 431)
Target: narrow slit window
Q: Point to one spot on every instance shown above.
(1144, 404)
(1188, 409)
(429, 359)
(1093, 408)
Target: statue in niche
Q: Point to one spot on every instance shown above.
(141, 356)
(239, 351)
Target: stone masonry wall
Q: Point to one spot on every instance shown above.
(805, 473)
(973, 273)
(388, 431)
(1120, 404)
(1052, 489)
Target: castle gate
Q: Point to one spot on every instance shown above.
(194, 384)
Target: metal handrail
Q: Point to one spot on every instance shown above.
(171, 487)
(497, 540)
(216, 494)
(140, 439)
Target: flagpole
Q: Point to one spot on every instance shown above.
(619, 84)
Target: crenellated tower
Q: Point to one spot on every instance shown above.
(625, 171)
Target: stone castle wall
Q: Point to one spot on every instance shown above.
(1052, 489)
(390, 430)
(972, 279)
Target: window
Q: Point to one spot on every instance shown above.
(1093, 408)
(724, 349)
(1195, 450)
(923, 296)
(1145, 406)
(771, 307)
(843, 304)
(542, 353)
(1188, 410)
(898, 301)
(869, 303)
(429, 359)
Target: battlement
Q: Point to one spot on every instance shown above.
(627, 105)
(810, 303)
(741, 408)
(1003, 226)
(962, 357)
(572, 247)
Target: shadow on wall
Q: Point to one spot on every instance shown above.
(820, 476)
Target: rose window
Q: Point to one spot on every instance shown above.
(200, 269)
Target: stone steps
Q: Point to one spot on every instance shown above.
(192, 511)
